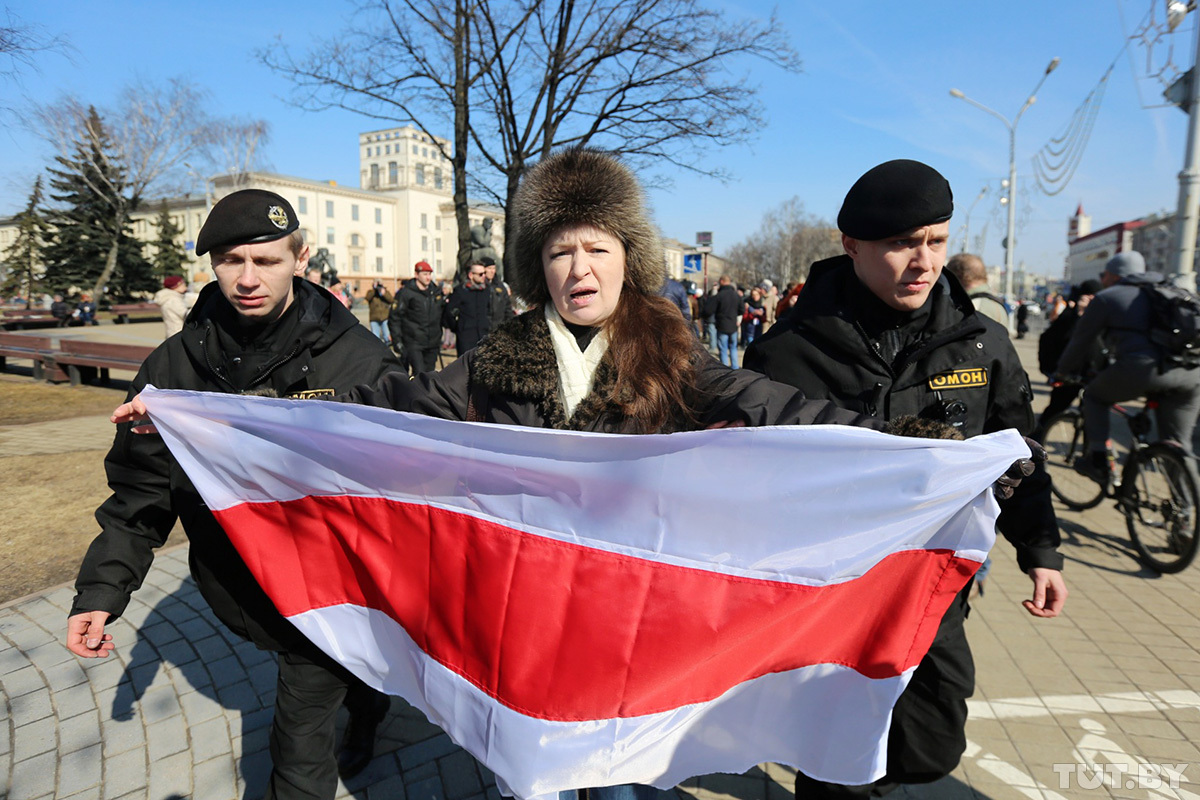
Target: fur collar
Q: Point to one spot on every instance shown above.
(516, 361)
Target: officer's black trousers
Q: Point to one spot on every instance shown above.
(308, 693)
(928, 733)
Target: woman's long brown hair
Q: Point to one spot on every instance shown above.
(652, 347)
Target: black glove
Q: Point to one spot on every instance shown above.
(1021, 468)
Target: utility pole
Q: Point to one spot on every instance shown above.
(1183, 272)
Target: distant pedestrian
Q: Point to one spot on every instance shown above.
(753, 317)
(468, 313)
(727, 315)
(172, 304)
(415, 321)
(379, 303)
(85, 311)
(500, 308)
(60, 310)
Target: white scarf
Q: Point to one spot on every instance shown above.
(576, 368)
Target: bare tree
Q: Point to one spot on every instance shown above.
(412, 62)
(144, 141)
(234, 146)
(785, 244)
(654, 80)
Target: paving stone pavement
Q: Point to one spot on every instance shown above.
(1094, 704)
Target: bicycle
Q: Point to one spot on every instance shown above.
(1156, 490)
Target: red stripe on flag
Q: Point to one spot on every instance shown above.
(566, 632)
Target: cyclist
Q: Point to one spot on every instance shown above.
(1120, 314)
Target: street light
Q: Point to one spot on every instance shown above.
(1010, 238)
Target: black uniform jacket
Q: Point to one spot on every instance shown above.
(512, 379)
(318, 348)
(416, 317)
(468, 314)
(960, 368)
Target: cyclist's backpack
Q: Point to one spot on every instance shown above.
(1174, 323)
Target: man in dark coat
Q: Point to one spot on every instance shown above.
(468, 313)
(727, 308)
(257, 328)
(881, 331)
(500, 309)
(416, 321)
(1120, 315)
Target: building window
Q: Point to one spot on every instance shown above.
(415, 150)
(420, 174)
(374, 177)
(354, 240)
(354, 213)
(329, 236)
(302, 205)
(379, 216)
(379, 240)
(437, 245)
(437, 177)
(439, 265)
(424, 243)
(393, 172)
(379, 264)
(329, 208)
(437, 223)
(354, 264)
(424, 221)
(387, 149)
(424, 152)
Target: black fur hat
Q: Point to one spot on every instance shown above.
(581, 186)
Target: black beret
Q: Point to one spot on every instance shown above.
(246, 217)
(895, 197)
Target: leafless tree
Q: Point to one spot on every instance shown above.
(785, 244)
(141, 146)
(234, 147)
(411, 62)
(19, 43)
(654, 80)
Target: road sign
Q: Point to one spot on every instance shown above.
(692, 263)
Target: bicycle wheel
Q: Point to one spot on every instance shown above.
(1063, 441)
(1159, 499)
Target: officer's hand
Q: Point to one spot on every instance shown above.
(86, 636)
(1021, 468)
(133, 411)
(1049, 592)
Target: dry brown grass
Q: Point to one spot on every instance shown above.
(23, 400)
(47, 501)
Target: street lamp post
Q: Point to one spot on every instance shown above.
(1010, 237)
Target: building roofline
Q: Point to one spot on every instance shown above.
(1120, 227)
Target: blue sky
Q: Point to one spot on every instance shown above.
(874, 86)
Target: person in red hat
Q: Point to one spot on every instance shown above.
(415, 321)
(170, 301)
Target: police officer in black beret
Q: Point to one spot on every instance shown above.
(259, 327)
(881, 331)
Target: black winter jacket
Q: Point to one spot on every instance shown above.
(468, 314)
(416, 317)
(327, 352)
(964, 372)
(512, 379)
(727, 308)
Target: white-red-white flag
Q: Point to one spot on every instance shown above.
(581, 609)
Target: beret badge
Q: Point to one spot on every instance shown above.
(278, 217)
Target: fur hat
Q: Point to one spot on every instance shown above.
(581, 186)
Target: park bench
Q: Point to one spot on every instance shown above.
(142, 311)
(85, 360)
(22, 345)
(15, 319)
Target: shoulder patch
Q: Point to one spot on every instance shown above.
(960, 379)
(309, 394)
